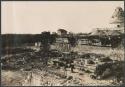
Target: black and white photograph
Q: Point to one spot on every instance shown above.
(62, 43)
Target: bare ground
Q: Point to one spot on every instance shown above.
(52, 78)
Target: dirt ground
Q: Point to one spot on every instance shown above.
(41, 78)
(52, 77)
(117, 53)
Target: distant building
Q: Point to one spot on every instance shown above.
(61, 32)
(83, 41)
(106, 32)
(62, 40)
(114, 35)
(118, 18)
(62, 44)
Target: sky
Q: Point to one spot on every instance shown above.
(34, 17)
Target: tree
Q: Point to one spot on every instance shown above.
(53, 38)
(45, 40)
(72, 41)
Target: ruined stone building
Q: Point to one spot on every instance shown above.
(117, 19)
(110, 35)
(62, 44)
(62, 32)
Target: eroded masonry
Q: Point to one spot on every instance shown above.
(67, 59)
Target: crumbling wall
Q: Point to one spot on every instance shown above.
(63, 47)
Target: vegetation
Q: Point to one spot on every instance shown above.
(16, 40)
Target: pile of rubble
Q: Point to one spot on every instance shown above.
(97, 66)
(100, 66)
(22, 61)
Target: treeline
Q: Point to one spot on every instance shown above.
(14, 40)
